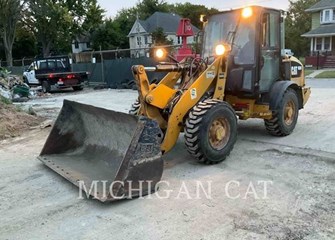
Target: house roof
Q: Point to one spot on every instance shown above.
(324, 4)
(324, 30)
(168, 21)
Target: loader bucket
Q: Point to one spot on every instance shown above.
(107, 154)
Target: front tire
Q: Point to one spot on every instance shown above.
(285, 118)
(211, 131)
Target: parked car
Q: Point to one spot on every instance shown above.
(54, 73)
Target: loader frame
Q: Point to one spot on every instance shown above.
(155, 99)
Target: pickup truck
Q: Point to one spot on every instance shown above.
(54, 73)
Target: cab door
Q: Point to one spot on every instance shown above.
(31, 77)
(270, 50)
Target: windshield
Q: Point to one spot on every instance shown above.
(222, 28)
(219, 30)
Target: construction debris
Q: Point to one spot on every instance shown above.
(12, 87)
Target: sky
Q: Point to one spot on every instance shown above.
(113, 6)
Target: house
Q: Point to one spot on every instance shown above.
(140, 34)
(82, 43)
(322, 34)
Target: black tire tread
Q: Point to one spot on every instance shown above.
(273, 125)
(192, 128)
(135, 107)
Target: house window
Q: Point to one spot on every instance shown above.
(146, 40)
(318, 44)
(88, 45)
(327, 43)
(76, 45)
(327, 16)
(323, 44)
(139, 41)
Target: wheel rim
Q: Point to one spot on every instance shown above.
(219, 133)
(289, 113)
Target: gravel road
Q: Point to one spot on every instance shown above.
(269, 188)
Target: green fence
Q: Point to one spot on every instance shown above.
(116, 72)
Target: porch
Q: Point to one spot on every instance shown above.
(322, 47)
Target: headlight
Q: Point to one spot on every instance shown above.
(203, 18)
(160, 53)
(247, 12)
(220, 50)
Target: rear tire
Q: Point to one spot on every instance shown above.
(46, 87)
(135, 108)
(211, 131)
(285, 118)
(78, 88)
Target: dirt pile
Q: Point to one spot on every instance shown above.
(13, 121)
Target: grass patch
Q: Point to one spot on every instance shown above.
(326, 74)
(308, 71)
(5, 101)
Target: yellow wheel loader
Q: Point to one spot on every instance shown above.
(241, 74)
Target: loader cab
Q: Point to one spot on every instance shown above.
(255, 38)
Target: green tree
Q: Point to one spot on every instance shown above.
(298, 22)
(107, 36)
(146, 8)
(56, 23)
(159, 38)
(94, 17)
(51, 23)
(193, 12)
(25, 44)
(10, 12)
(123, 23)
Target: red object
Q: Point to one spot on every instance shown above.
(313, 60)
(70, 76)
(184, 30)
